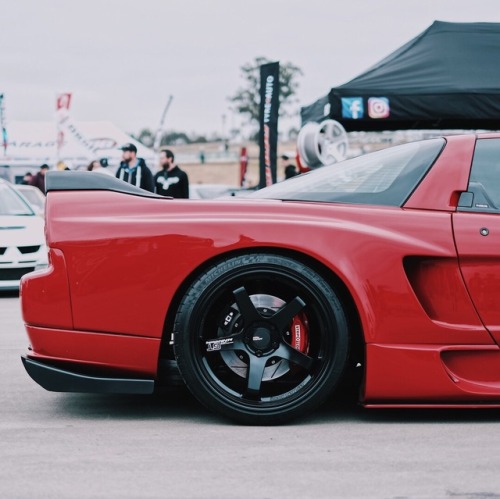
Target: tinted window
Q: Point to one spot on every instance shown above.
(484, 182)
(385, 178)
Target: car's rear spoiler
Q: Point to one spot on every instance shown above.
(91, 181)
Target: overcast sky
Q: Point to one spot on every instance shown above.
(121, 59)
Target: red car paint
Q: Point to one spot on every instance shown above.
(424, 280)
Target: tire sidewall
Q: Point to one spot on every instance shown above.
(335, 339)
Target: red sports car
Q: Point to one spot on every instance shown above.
(389, 262)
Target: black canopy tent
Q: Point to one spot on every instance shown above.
(448, 77)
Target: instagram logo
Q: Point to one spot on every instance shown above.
(378, 107)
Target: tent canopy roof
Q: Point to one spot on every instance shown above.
(446, 77)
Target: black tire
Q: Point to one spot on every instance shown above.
(233, 335)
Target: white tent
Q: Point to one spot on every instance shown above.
(31, 144)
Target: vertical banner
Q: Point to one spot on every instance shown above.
(268, 117)
(67, 128)
(63, 102)
(3, 125)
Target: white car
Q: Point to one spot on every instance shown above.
(22, 240)
(34, 195)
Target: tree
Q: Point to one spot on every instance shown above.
(171, 137)
(247, 99)
(146, 137)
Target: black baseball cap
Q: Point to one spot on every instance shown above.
(129, 147)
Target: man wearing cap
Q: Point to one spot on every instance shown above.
(134, 170)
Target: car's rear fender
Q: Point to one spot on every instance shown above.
(357, 336)
(45, 296)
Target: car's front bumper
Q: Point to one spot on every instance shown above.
(14, 265)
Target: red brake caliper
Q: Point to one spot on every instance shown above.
(299, 333)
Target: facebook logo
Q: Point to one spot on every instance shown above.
(352, 107)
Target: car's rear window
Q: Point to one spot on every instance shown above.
(385, 178)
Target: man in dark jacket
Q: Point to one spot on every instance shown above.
(134, 170)
(171, 180)
(39, 179)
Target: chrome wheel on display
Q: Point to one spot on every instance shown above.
(323, 143)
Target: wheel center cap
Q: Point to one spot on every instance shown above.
(261, 338)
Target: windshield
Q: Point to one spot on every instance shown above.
(11, 203)
(32, 196)
(385, 178)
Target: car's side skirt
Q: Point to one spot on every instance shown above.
(431, 375)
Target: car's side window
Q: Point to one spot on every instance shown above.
(484, 181)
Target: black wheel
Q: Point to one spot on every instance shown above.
(261, 339)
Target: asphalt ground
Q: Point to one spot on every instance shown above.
(59, 445)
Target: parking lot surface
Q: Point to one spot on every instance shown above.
(79, 445)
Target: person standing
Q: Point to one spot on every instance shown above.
(171, 180)
(92, 165)
(38, 180)
(28, 177)
(289, 169)
(134, 170)
(101, 166)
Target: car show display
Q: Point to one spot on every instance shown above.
(385, 265)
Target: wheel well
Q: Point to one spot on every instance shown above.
(357, 347)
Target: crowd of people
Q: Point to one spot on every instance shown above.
(169, 181)
(38, 180)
